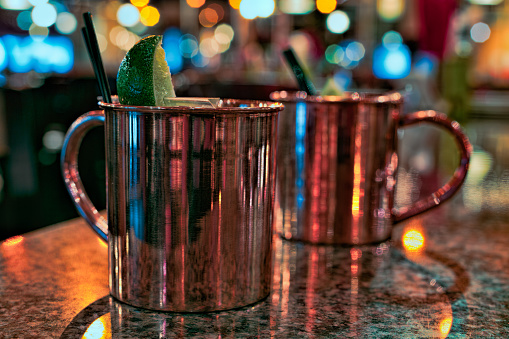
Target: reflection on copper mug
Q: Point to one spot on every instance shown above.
(190, 200)
(337, 166)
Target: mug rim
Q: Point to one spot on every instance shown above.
(393, 97)
(255, 107)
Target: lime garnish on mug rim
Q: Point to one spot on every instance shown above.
(144, 77)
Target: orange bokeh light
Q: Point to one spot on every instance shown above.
(235, 4)
(149, 16)
(140, 3)
(208, 17)
(196, 3)
(326, 6)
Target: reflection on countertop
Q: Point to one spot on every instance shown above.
(444, 274)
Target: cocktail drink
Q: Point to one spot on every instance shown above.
(337, 166)
(190, 196)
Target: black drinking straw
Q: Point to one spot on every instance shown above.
(304, 83)
(95, 56)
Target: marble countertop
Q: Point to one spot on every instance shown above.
(445, 274)
(453, 282)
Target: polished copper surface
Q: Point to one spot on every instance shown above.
(337, 166)
(190, 196)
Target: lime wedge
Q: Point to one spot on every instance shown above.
(144, 77)
(191, 102)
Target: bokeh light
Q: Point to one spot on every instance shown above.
(140, 3)
(480, 32)
(338, 22)
(326, 6)
(200, 61)
(128, 15)
(355, 51)
(224, 30)
(391, 61)
(266, 8)
(413, 240)
(3, 56)
(195, 3)
(171, 44)
(149, 16)
(66, 23)
(53, 140)
(463, 48)
(37, 2)
(297, 7)
(24, 20)
(208, 17)
(485, 2)
(390, 10)
(235, 4)
(188, 46)
(102, 42)
(16, 5)
(122, 38)
(347, 54)
(334, 54)
(51, 54)
(209, 47)
(44, 15)
(139, 28)
(250, 9)
(38, 32)
(391, 38)
(219, 10)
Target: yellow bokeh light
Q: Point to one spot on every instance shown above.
(140, 3)
(390, 10)
(149, 16)
(195, 3)
(413, 240)
(235, 3)
(37, 32)
(326, 6)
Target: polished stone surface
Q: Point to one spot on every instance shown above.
(445, 274)
(54, 283)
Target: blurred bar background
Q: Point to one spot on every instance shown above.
(449, 55)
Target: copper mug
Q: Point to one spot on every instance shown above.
(190, 201)
(337, 166)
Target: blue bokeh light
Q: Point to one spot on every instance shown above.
(171, 45)
(53, 54)
(3, 56)
(391, 61)
(24, 20)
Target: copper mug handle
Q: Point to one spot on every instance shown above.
(451, 187)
